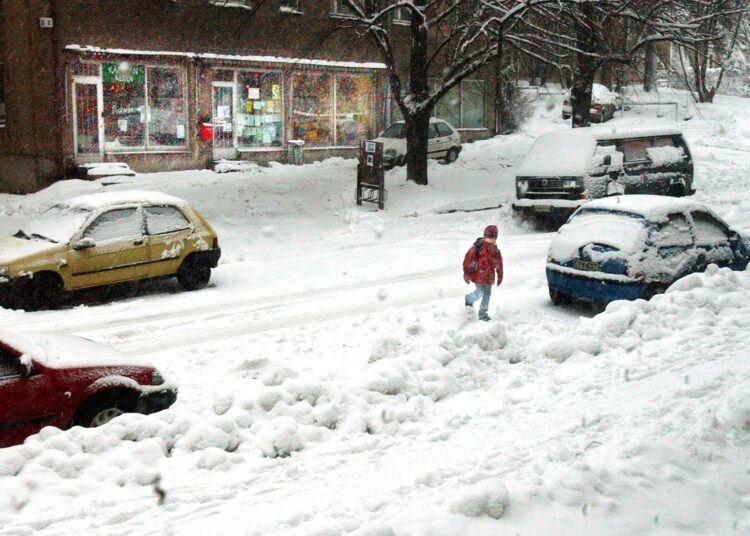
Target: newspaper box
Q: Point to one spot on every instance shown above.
(371, 174)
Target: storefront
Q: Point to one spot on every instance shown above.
(138, 105)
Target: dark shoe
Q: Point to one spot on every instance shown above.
(467, 304)
(484, 318)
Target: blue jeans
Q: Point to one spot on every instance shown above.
(484, 292)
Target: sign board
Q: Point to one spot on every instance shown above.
(124, 73)
(46, 22)
(371, 174)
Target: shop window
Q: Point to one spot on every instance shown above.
(449, 107)
(464, 105)
(312, 108)
(2, 96)
(167, 117)
(472, 103)
(144, 107)
(340, 9)
(289, 6)
(259, 113)
(354, 105)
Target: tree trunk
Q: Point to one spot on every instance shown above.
(649, 76)
(417, 120)
(585, 70)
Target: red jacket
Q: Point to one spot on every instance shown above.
(488, 262)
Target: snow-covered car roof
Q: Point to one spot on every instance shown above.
(654, 208)
(66, 351)
(105, 199)
(569, 152)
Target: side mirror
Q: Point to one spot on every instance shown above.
(607, 160)
(25, 367)
(84, 243)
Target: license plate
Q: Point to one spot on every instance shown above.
(588, 266)
(542, 208)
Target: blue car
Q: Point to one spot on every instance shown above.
(634, 246)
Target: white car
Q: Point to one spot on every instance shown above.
(603, 104)
(443, 142)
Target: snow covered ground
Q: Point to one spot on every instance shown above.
(331, 382)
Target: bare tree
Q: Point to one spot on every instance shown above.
(448, 41)
(726, 23)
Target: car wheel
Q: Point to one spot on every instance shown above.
(41, 292)
(100, 410)
(194, 273)
(451, 156)
(559, 298)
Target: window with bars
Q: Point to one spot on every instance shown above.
(340, 9)
(289, 6)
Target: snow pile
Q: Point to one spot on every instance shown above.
(489, 497)
(665, 156)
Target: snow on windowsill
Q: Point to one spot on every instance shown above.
(230, 57)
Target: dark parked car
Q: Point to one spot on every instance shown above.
(566, 168)
(635, 246)
(56, 380)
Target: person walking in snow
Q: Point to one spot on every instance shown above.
(480, 264)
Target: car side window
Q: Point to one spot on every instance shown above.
(444, 130)
(165, 219)
(708, 230)
(8, 365)
(675, 232)
(118, 224)
(433, 131)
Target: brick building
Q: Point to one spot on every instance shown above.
(139, 81)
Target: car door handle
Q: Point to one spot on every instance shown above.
(138, 242)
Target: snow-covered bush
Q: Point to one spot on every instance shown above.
(277, 438)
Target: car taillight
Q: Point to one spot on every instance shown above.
(598, 107)
(216, 243)
(584, 195)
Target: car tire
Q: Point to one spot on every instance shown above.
(451, 156)
(676, 191)
(101, 409)
(559, 298)
(194, 273)
(42, 291)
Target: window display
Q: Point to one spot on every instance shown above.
(312, 108)
(134, 122)
(354, 105)
(124, 105)
(449, 107)
(167, 118)
(260, 109)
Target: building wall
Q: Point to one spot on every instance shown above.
(37, 144)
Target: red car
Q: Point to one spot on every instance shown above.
(63, 381)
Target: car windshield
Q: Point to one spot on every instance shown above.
(58, 224)
(626, 232)
(396, 130)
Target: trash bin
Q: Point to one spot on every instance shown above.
(294, 152)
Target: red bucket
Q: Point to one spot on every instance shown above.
(206, 131)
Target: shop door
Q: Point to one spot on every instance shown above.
(88, 128)
(223, 120)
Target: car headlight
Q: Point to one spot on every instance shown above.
(157, 378)
(570, 183)
(4, 271)
(522, 186)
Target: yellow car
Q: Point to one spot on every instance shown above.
(106, 238)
